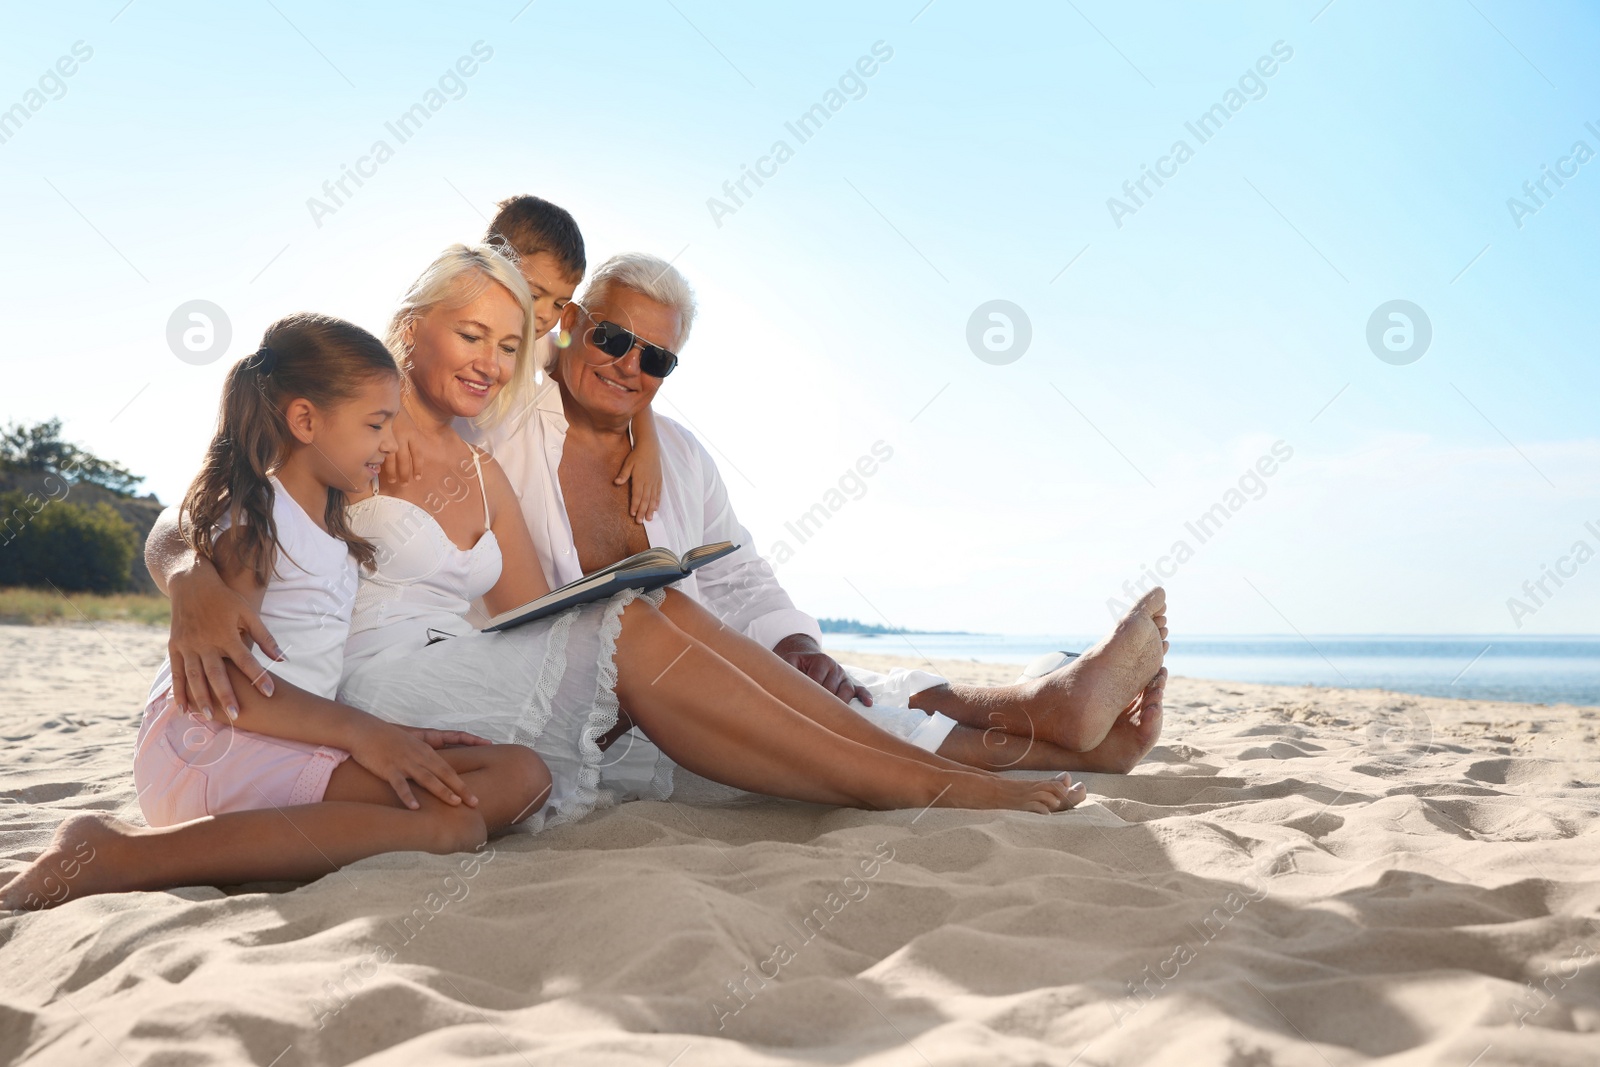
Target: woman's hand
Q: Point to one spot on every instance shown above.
(209, 624)
(401, 755)
(643, 467)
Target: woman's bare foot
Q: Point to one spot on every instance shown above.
(1133, 735)
(987, 792)
(82, 859)
(1075, 707)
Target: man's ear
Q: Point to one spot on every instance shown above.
(301, 415)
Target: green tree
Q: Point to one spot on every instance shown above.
(75, 548)
(39, 448)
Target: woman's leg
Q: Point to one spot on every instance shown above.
(787, 684)
(359, 817)
(715, 720)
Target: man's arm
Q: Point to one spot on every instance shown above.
(209, 622)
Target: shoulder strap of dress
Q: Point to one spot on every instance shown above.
(483, 490)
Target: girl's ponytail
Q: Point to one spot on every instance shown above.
(326, 361)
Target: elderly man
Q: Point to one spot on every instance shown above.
(562, 452)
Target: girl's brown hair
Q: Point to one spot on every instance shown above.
(322, 359)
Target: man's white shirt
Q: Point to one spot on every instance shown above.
(740, 588)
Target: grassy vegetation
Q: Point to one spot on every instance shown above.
(35, 607)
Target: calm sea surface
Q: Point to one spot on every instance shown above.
(1535, 670)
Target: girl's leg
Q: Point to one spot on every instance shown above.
(359, 817)
(715, 720)
(511, 782)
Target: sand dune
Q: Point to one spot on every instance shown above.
(1296, 876)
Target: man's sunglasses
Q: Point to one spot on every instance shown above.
(617, 342)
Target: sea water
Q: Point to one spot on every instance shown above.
(1534, 670)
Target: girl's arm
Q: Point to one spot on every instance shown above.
(391, 752)
(643, 465)
(521, 574)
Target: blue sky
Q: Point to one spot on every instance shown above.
(1169, 354)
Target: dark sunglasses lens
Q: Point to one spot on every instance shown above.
(612, 339)
(657, 362)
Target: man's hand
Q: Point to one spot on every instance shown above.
(400, 755)
(802, 652)
(209, 622)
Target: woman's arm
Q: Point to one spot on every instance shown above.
(643, 466)
(521, 574)
(209, 624)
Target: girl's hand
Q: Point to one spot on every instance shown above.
(643, 467)
(445, 738)
(397, 753)
(209, 624)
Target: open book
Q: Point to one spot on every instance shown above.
(650, 569)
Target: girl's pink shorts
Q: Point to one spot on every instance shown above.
(185, 767)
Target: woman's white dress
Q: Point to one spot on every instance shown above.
(413, 658)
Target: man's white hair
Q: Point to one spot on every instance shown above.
(649, 276)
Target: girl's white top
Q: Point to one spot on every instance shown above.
(307, 604)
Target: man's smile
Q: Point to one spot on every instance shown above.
(618, 386)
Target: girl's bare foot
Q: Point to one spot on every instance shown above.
(987, 792)
(1075, 707)
(82, 859)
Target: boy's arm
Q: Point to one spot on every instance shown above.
(643, 466)
(209, 621)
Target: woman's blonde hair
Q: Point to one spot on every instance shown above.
(455, 278)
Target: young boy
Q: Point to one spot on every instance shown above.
(550, 253)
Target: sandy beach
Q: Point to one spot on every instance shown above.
(1295, 876)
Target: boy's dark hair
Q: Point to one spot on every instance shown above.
(531, 225)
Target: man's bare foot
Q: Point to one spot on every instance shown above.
(986, 792)
(1075, 707)
(84, 858)
(1133, 735)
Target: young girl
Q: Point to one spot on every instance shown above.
(297, 788)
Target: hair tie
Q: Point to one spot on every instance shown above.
(263, 361)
